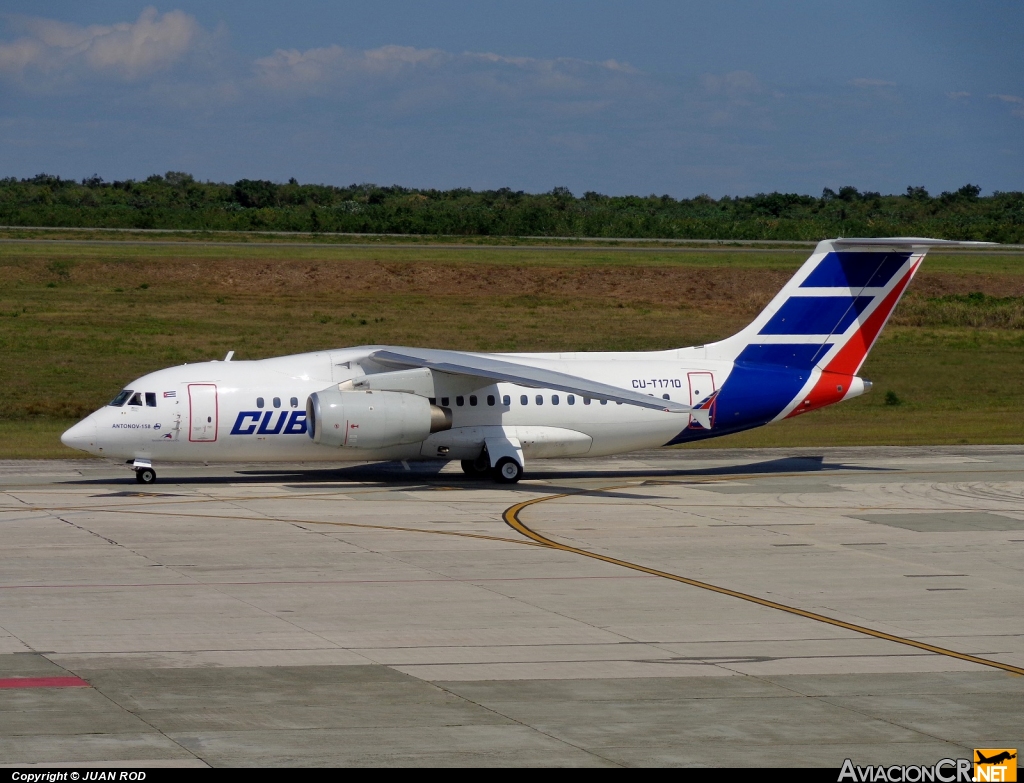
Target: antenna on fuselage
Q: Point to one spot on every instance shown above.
(228, 357)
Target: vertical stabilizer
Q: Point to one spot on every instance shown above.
(803, 351)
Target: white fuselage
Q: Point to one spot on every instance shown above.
(256, 410)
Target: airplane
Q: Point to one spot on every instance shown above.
(494, 411)
(996, 759)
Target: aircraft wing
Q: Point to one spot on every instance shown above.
(459, 363)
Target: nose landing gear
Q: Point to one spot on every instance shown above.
(144, 473)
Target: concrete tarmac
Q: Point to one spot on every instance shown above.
(390, 615)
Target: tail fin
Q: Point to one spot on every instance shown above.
(827, 317)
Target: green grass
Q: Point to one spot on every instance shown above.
(36, 438)
(79, 321)
(131, 250)
(974, 310)
(70, 254)
(186, 236)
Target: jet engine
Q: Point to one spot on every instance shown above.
(372, 419)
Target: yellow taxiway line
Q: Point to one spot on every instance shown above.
(511, 517)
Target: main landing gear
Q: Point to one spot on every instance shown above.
(477, 468)
(506, 471)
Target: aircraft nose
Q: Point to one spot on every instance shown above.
(81, 436)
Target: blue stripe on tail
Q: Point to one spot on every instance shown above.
(816, 314)
(855, 270)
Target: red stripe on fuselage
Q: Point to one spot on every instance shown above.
(837, 376)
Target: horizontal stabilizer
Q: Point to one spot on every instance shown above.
(489, 368)
(702, 417)
(702, 413)
(905, 242)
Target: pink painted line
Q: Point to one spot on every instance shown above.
(43, 682)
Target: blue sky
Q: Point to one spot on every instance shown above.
(618, 97)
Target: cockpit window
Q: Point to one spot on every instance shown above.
(123, 395)
(150, 399)
(136, 399)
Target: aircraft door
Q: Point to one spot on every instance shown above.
(702, 384)
(202, 406)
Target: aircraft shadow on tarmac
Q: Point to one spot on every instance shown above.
(392, 471)
(420, 476)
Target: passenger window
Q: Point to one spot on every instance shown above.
(294, 402)
(259, 402)
(604, 402)
(150, 399)
(554, 399)
(490, 399)
(122, 396)
(571, 400)
(506, 401)
(665, 397)
(277, 402)
(136, 399)
(444, 402)
(432, 400)
(586, 401)
(460, 400)
(524, 400)
(540, 399)
(472, 399)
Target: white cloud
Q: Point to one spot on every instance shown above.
(955, 96)
(1015, 101)
(332, 70)
(290, 68)
(129, 50)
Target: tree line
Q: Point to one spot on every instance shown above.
(176, 200)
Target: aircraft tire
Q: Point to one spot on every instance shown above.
(145, 476)
(476, 468)
(508, 471)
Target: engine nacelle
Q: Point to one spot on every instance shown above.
(372, 419)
